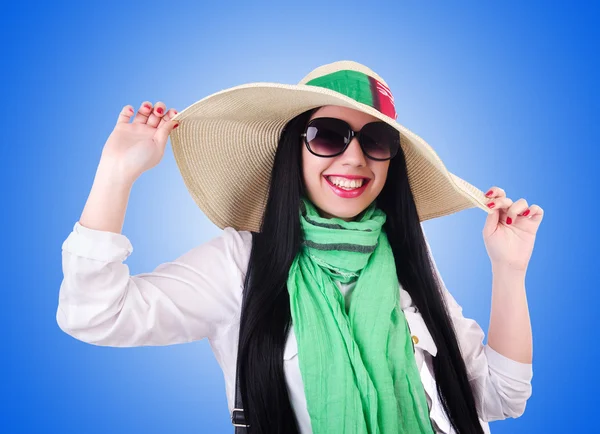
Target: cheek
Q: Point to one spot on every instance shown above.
(312, 168)
(380, 171)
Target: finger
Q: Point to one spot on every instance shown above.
(491, 222)
(515, 209)
(536, 212)
(495, 191)
(500, 203)
(157, 114)
(164, 130)
(142, 115)
(125, 115)
(167, 117)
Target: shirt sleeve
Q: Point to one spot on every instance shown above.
(184, 300)
(501, 385)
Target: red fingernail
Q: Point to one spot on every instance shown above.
(489, 193)
(176, 125)
(148, 106)
(491, 204)
(130, 109)
(526, 213)
(159, 110)
(508, 220)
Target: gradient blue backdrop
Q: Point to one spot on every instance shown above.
(507, 95)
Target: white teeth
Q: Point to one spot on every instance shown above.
(346, 183)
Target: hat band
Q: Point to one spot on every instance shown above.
(361, 88)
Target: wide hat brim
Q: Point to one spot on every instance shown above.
(225, 147)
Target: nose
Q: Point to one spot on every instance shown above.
(354, 155)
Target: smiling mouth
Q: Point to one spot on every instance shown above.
(348, 184)
(353, 184)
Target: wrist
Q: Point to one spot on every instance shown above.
(110, 173)
(508, 271)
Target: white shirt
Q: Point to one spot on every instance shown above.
(199, 294)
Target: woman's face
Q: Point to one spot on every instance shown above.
(317, 170)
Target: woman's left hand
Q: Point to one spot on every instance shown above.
(509, 232)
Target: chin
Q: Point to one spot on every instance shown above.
(349, 212)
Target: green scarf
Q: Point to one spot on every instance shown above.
(357, 366)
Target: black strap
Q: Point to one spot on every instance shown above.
(238, 418)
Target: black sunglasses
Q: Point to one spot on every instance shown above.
(329, 137)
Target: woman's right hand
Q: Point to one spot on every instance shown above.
(132, 148)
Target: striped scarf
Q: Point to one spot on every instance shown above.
(357, 364)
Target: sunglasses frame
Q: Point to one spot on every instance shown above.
(357, 134)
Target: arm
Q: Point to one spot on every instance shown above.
(501, 385)
(107, 202)
(509, 332)
(180, 301)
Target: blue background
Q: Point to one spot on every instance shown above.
(506, 94)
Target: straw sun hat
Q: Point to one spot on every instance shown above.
(225, 144)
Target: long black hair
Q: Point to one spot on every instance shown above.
(266, 318)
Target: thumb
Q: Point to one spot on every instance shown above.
(163, 132)
(491, 222)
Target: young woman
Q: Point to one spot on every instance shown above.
(321, 293)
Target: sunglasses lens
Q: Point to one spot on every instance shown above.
(327, 136)
(380, 140)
